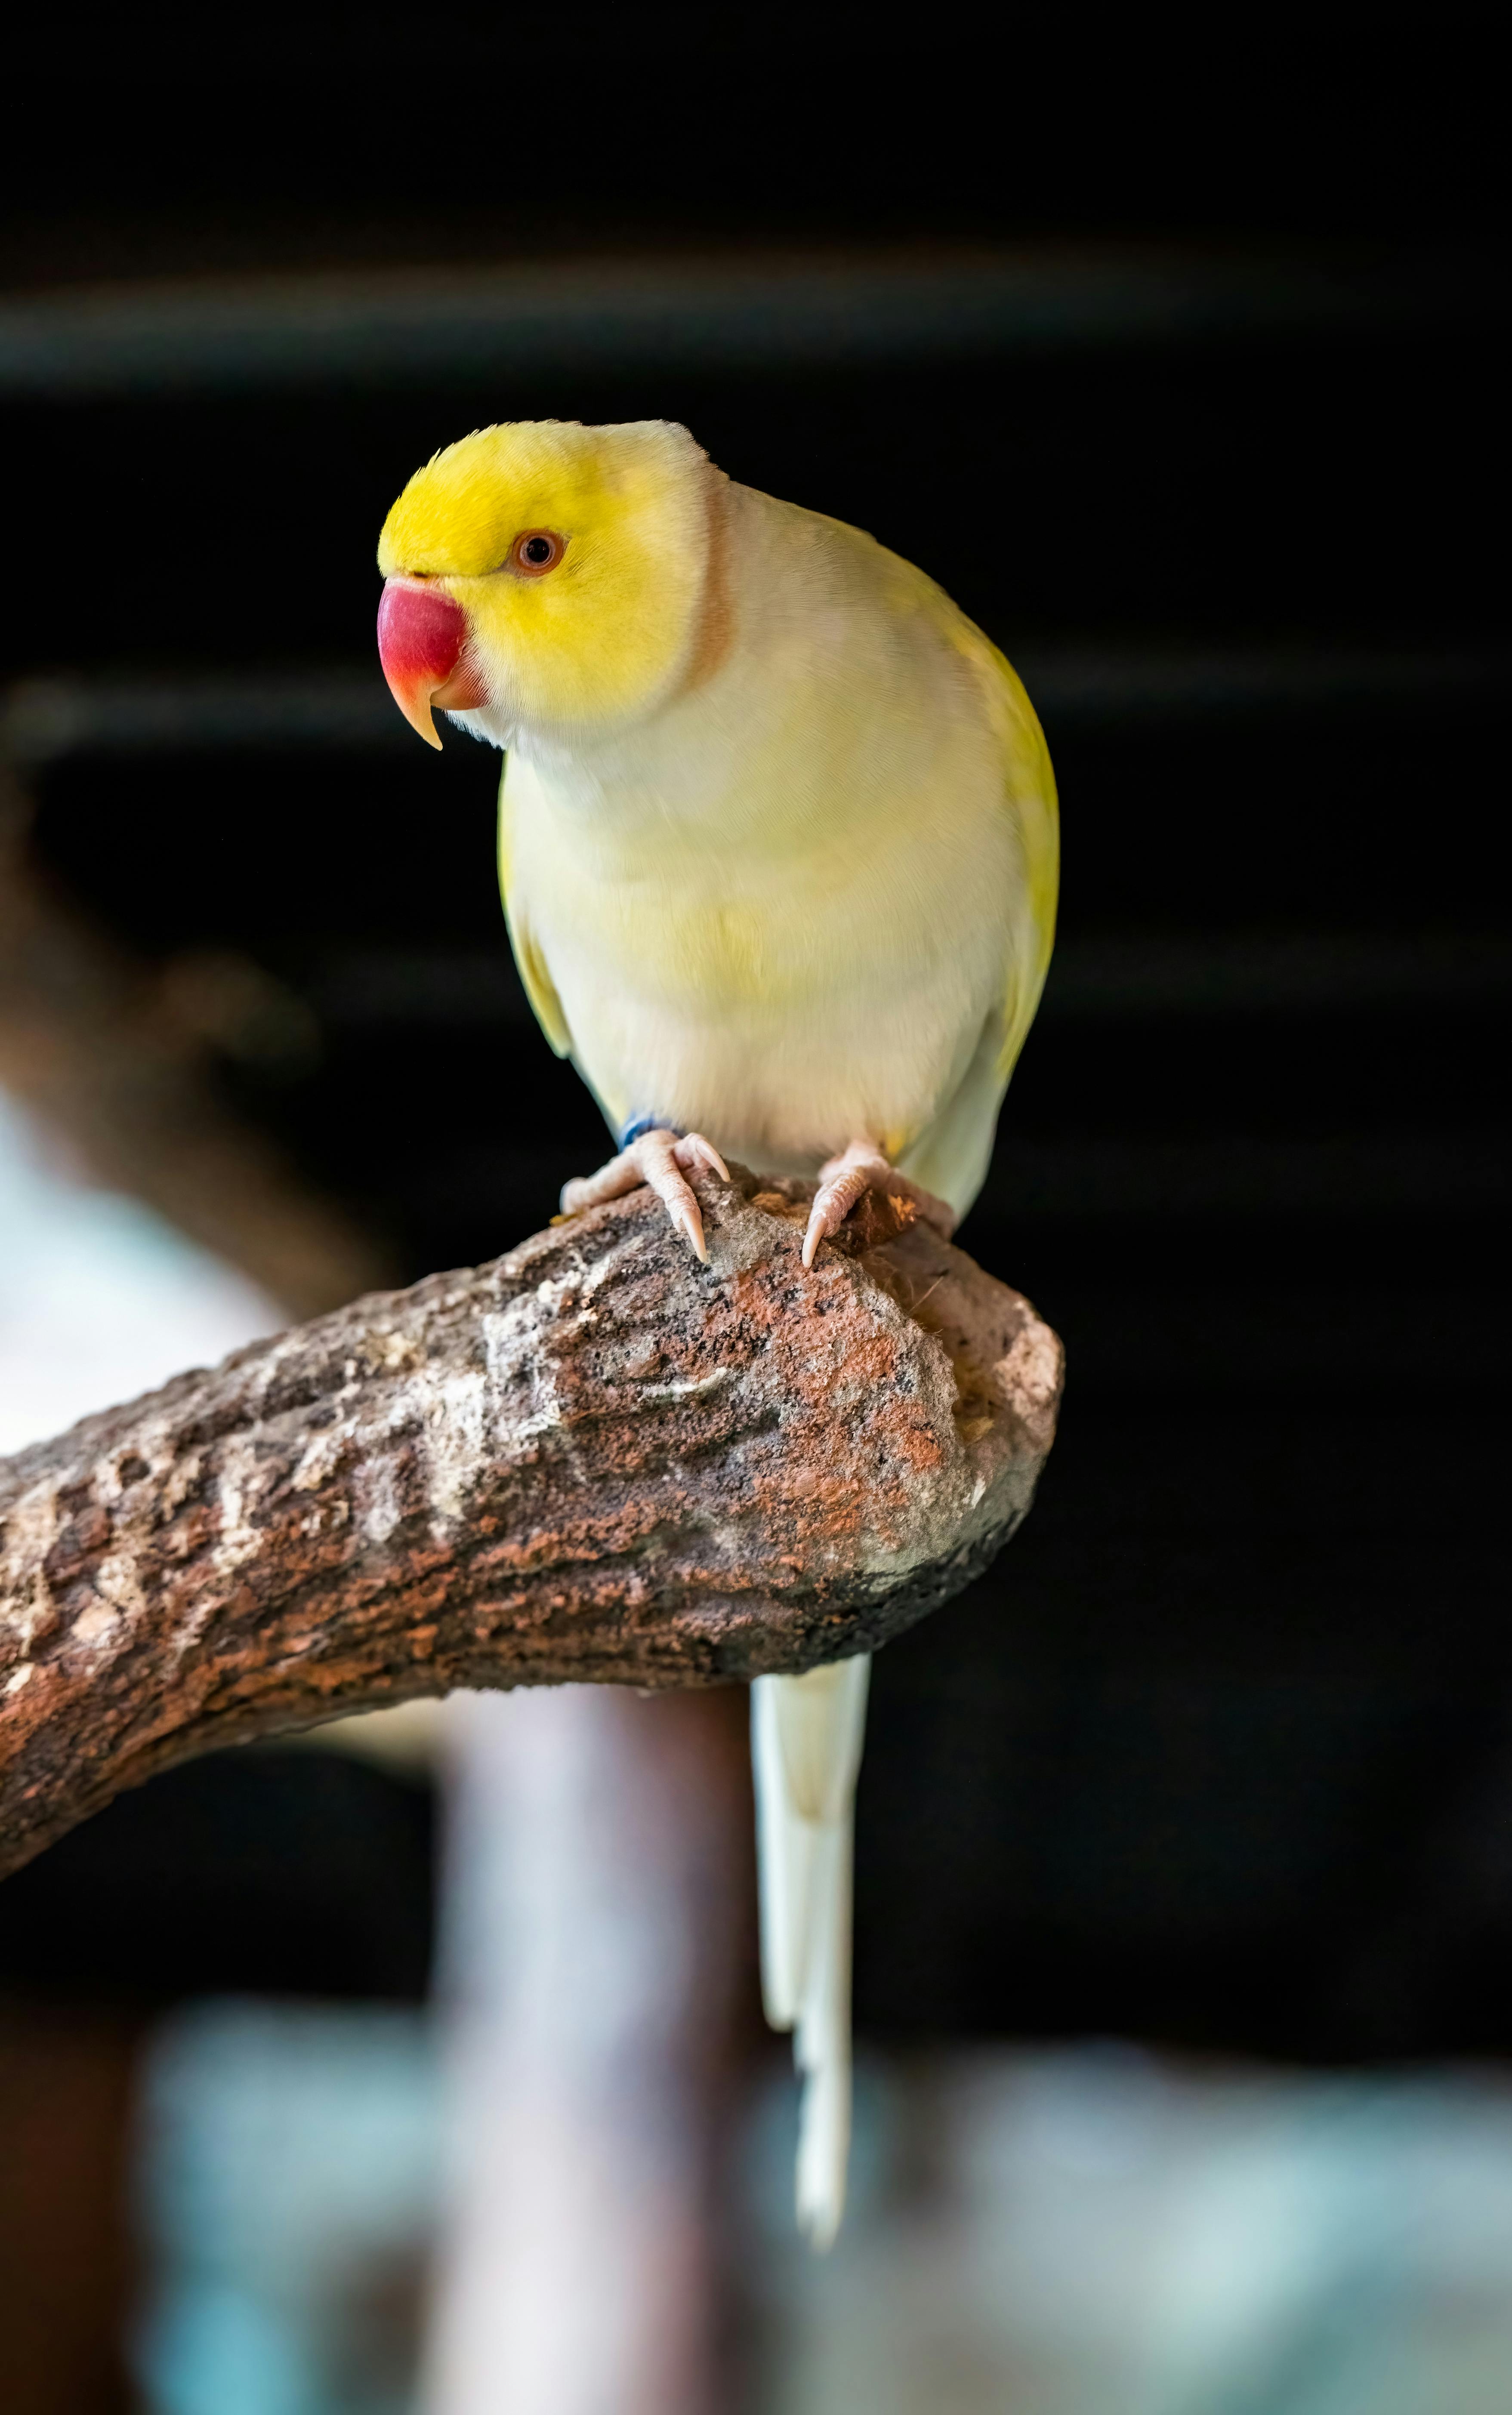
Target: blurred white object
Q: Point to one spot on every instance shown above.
(100, 1298)
(591, 1968)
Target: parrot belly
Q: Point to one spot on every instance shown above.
(781, 1091)
(810, 902)
(784, 1011)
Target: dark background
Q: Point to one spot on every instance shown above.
(1220, 1753)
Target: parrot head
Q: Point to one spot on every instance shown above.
(546, 574)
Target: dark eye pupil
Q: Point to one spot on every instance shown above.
(538, 549)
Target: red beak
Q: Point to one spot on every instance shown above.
(421, 636)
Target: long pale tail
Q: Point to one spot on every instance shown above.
(806, 1737)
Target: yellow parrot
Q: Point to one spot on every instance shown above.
(779, 852)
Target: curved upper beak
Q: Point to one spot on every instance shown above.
(421, 637)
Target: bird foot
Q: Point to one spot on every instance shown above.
(860, 1168)
(657, 1159)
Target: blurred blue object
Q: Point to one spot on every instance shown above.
(1083, 2231)
(288, 2182)
(1092, 2232)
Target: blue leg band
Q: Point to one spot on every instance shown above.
(639, 1124)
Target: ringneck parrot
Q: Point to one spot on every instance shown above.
(778, 846)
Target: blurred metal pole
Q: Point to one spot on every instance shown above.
(597, 1985)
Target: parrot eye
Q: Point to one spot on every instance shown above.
(535, 551)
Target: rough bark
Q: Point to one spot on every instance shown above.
(592, 1459)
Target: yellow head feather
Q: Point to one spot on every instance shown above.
(603, 636)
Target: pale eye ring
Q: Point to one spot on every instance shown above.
(535, 551)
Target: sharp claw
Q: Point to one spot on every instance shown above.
(694, 1150)
(686, 1216)
(842, 1180)
(654, 1158)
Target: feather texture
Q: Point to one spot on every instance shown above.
(812, 897)
(778, 845)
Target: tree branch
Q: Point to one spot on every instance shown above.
(592, 1459)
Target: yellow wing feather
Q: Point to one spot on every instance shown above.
(539, 986)
(1037, 812)
(1030, 796)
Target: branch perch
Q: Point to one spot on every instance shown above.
(592, 1459)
